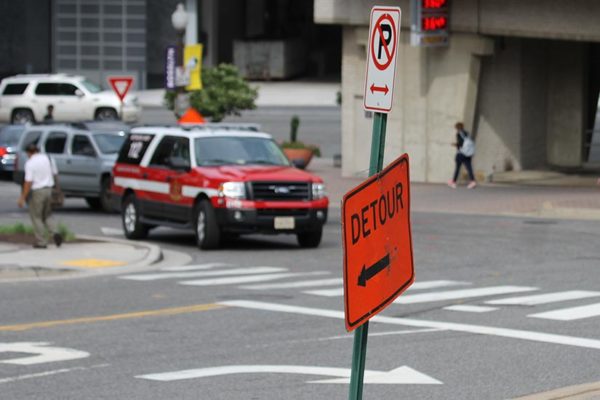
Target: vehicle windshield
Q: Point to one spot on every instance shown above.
(109, 143)
(91, 86)
(9, 135)
(234, 150)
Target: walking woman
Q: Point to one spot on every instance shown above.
(465, 149)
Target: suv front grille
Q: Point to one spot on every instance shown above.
(280, 191)
(282, 212)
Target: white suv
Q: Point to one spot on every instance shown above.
(25, 98)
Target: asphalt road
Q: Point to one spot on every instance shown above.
(126, 331)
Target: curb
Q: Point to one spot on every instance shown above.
(153, 256)
(587, 391)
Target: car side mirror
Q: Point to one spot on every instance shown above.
(79, 93)
(298, 163)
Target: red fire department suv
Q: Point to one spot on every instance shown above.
(219, 180)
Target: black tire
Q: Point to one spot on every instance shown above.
(22, 116)
(130, 217)
(106, 114)
(105, 196)
(207, 231)
(93, 202)
(310, 239)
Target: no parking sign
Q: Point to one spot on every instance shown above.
(384, 32)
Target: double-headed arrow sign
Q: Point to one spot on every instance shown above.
(383, 89)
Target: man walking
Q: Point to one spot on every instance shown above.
(39, 180)
(465, 149)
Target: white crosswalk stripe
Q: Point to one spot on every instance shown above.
(243, 279)
(470, 308)
(337, 292)
(545, 298)
(461, 294)
(570, 314)
(201, 274)
(199, 267)
(293, 285)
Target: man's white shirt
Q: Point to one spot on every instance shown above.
(40, 170)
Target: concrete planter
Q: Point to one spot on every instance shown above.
(297, 156)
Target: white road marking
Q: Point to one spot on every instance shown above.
(246, 279)
(570, 314)
(49, 373)
(476, 329)
(469, 308)
(435, 284)
(299, 284)
(201, 274)
(392, 333)
(545, 298)
(43, 353)
(199, 267)
(338, 292)
(461, 294)
(402, 375)
(111, 231)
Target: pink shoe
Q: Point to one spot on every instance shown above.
(452, 184)
(471, 185)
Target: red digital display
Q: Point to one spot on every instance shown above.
(430, 5)
(434, 23)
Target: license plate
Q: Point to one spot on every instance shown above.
(284, 223)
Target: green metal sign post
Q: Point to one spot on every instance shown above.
(359, 352)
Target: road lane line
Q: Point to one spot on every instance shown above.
(461, 294)
(545, 298)
(299, 284)
(570, 314)
(201, 274)
(114, 317)
(476, 329)
(50, 373)
(392, 333)
(246, 279)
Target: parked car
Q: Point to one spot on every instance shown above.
(25, 99)
(217, 180)
(9, 139)
(84, 154)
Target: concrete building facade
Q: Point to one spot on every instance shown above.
(522, 75)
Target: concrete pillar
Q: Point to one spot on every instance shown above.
(566, 104)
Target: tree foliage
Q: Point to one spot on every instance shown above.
(224, 93)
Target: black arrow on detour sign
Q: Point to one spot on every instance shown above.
(370, 272)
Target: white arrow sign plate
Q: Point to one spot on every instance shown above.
(384, 33)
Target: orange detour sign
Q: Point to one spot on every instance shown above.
(378, 258)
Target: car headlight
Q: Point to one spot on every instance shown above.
(233, 190)
(131, 101)
(318, 191)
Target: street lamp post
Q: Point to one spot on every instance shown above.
(179, 19)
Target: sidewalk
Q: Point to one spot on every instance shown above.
(88, 256)
(569, 200)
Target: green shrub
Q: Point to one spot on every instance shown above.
(224, 93)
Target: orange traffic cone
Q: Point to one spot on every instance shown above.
(191, 116)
